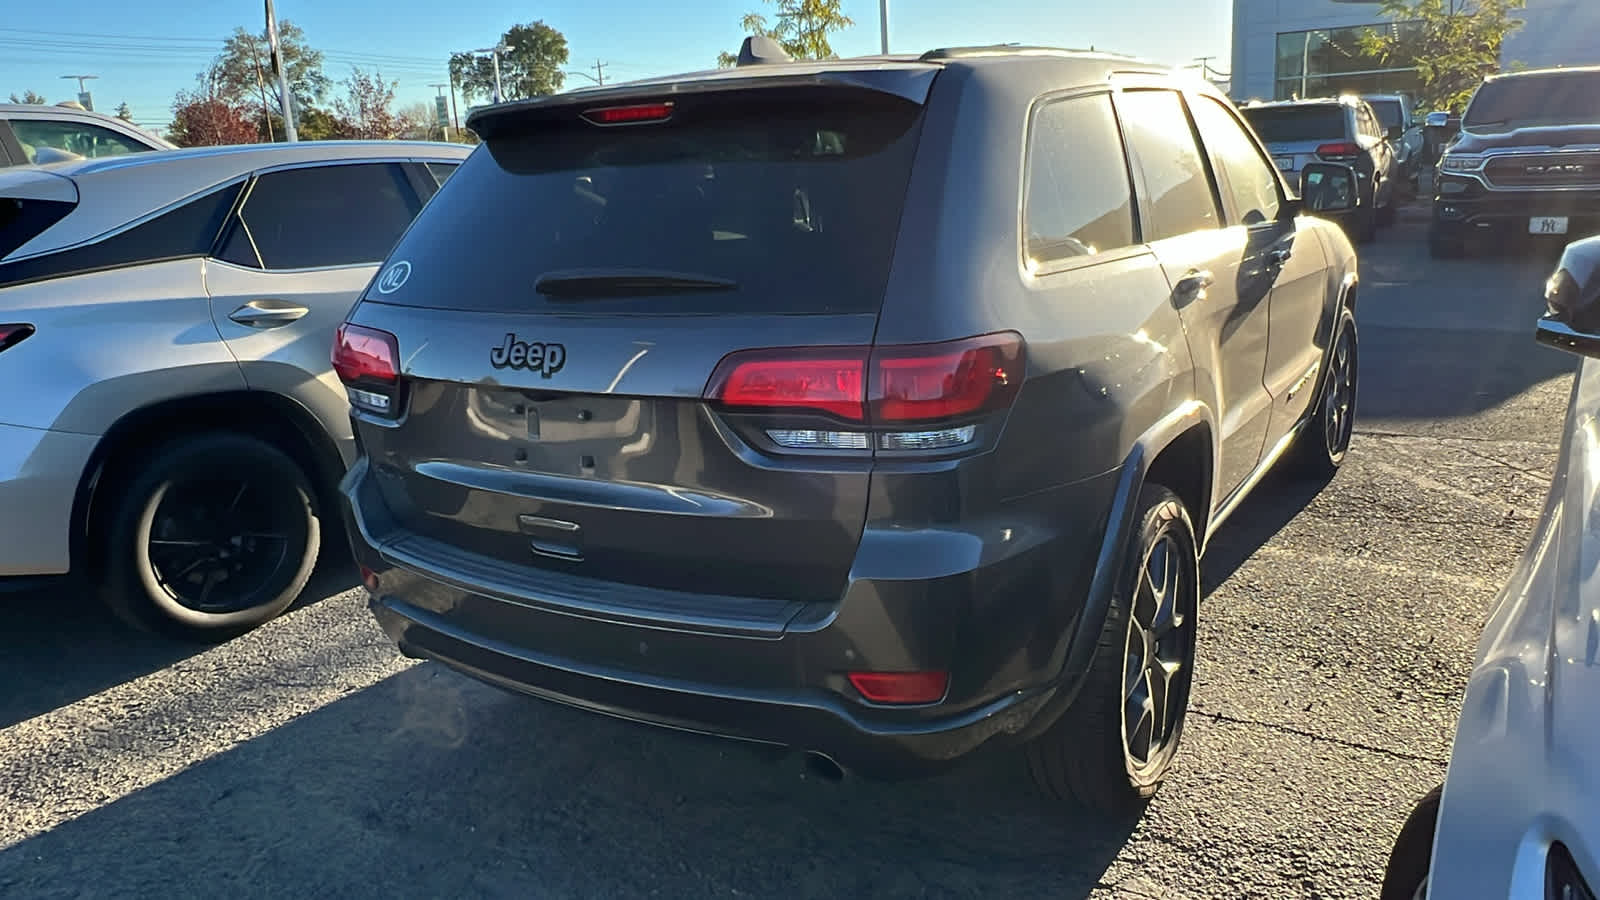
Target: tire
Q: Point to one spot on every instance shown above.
(1364, 227)
(1386, 214)
(1325, 440)
(1406, 875)
(1086, 759)
(215, 510)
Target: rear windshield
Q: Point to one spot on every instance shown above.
(796, 200)
(1565, 98)
(1388, 113)
(1290, 124)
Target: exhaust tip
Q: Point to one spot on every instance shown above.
(823, 767)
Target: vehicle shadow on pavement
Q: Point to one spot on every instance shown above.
(429, 784)
(62, 645)
(1272, 505)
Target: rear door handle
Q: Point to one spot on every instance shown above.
(1192, 286)
(267, 313)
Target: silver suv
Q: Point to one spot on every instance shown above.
(1343, 130)
(173, 425)
(32, 134)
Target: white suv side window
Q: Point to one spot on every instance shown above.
(73, 137)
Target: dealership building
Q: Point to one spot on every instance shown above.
(1310, 48)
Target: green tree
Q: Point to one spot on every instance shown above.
(530, 66)
(29, 97)
(247, 75)
(802, 28)
(123, 112)
(367, 109)
(1453, 49)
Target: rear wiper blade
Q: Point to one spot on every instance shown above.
(585, 283)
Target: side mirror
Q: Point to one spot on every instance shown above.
(1572, 301)
(1328, 189)
(1438, 119)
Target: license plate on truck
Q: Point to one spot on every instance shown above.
(1285, 163)
(1547, 225)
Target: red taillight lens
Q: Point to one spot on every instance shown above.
(943, 381)
(831, 381)
(1339, 151)
(901, 687)
(633, 113)
(14, 334)
(363, 354)
(368, 362)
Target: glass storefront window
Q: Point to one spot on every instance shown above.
(1327, 61)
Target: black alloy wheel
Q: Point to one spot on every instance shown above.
(1325, 440)
(211, 536)
(1110, 751)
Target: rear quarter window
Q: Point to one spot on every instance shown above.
(1079, 201)
(795, 199)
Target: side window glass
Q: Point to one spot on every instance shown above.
(85, 140)
(1251, 181)
(334, 215)
(441, 171)
(1078, 198)
(1163, 144)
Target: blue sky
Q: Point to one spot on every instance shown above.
(145, 51)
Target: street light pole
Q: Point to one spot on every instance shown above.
(883, 26)
(290, 133)
(82, 91)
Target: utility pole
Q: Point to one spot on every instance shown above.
(1205, 66)
(290, 133)
(496, 50)
(83, 93)
(444, 107)
(883, 26)
(599, 72)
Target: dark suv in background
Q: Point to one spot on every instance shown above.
(1526, 162)
(755, 403)
(1342, 130)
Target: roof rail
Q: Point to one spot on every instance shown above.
(943, 53)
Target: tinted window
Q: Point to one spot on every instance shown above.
(1292, 124)
(441, 171)
(188, 230)
(1389, 113)
(1557, 98)
(1251, 182)
(1158, 131)
(1078, 199)
(23, 220)
(338, 215)
(73, 137)
(795, 198)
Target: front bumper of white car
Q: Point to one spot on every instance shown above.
(39, 475)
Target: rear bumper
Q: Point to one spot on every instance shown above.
(39, 475)
(776, 681)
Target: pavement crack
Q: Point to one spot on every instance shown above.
(1542, 477)
(1310, 735)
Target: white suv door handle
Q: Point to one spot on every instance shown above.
(1194, 283)
(267, 313)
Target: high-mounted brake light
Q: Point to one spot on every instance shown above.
(1342, 150)
(368, 362)
(901, 687)
(14, 334)
(631, 114)
(911, 397)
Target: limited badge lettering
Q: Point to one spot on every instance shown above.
(546, 359)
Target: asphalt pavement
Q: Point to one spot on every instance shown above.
(307, 759)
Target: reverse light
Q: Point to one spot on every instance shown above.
(918, 397)
(632, 114)
(901, 687)
(367, 361)
(14, 334)
(1340, 151)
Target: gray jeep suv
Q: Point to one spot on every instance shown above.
(874, 408)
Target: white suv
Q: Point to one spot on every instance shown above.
(34, 134)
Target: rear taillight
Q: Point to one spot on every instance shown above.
(875, 394)
(368, 362)
(14, 334)
(1339, 152)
